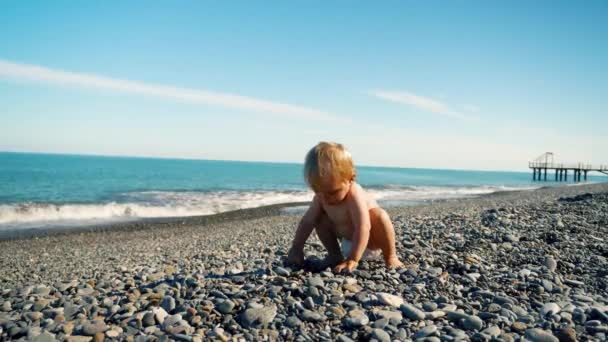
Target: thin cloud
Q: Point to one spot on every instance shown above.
(35, 73)
(425, 103)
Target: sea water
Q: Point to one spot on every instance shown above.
(49, 190)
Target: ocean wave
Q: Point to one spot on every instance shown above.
(158, 204)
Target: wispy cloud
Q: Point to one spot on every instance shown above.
(421, 102)
(35, 73)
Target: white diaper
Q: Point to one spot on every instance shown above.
(368, 254)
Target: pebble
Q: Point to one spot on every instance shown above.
(429, 330)
(412, 312)
(549, 309)
(472, 323)
(258, 317)
(312, 316)
(539, 335)
(356, 318)
(550, 263)
(389, 299)
(380, 335)
(225, 306)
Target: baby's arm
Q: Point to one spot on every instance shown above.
(305, 227)
(357, 206)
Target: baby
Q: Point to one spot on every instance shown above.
(348, 221)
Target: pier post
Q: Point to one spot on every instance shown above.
(545, 174)
(565, 175)
(533, 174)
(556, 175)
(585, 175)
(561, 175)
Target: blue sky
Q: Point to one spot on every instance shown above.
(454, 84)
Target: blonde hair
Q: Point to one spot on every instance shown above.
(328, 159)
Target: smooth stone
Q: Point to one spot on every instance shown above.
(261, 316)
(566, 335)
(309, 303)
(549, 309)
(492, 331)
(160, 314)
(394, 315)
(380, 335)
(281, 271)
(94, 327)
(148, 319)
(472, 323)
(45, 336)
(225, 307)
(539, 335)
(433, 315)
(412, 312)
(519, 326)
(293, 322)
(312, 316)
(550, 263)
(356, 318)
(316, 282)
(389, 299)
(168, 303)
(380, 323)
(344, 338)
(426, 331)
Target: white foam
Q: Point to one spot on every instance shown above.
(156, 204)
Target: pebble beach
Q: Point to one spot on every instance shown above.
(510, 266)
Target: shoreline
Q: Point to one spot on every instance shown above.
(239, 214)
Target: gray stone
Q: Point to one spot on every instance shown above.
(550, 263)
(258, 317)
(281, 271)
(412, 312)
(356, 318)
(293, 322)
(389, 299)
(472, 323)
(168, 303)
(492, 331)
(312, 316)
(94, 327)
(45, 336)
(390, 315)
(549, 309)
(343, 338)
(148, 319)
(160, 314)
(539, 335)
(380, 335)
(225, 307)
(316, 281)
(429, 330)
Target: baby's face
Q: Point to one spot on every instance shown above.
(332, 191)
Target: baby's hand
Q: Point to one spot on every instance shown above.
(393, 262)
(348, 265)
(295, 257)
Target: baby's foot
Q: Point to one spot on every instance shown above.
(393, 262)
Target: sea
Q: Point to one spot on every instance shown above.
(55, 190)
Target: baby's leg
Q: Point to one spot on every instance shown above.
(327, 233)
(382, 236)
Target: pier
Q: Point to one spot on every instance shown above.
(544, 163)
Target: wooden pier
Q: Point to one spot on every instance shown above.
(545, 162)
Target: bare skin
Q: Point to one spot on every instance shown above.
(342, 209)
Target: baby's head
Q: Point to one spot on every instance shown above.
(329, 171)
